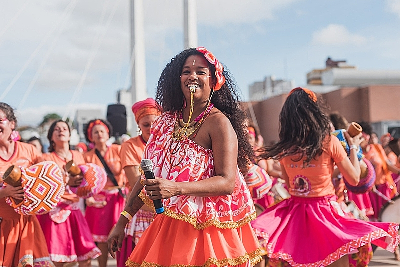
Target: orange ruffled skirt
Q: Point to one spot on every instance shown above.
(169, 242)
(22, 242)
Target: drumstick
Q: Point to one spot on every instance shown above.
(382, 195)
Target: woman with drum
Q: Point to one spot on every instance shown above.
(65, 228)
(358, 204)
(385, 187)
(111, 200)
(291, 231)
(360, 196)
(22, 241)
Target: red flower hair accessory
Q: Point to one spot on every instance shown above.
(218, 66)
(251, 131)
(90, 128)
(310, 93)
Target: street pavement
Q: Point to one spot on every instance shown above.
(381, 258)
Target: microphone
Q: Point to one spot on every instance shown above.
(147, 167)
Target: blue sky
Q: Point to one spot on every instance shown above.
(61, 55)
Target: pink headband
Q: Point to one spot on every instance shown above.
(145, 107)
(218, 66)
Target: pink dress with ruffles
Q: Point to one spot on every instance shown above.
(194, 231)
(306, 229)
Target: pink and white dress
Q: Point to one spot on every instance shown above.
(194, 231)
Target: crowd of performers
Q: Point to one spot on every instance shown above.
(228, 199)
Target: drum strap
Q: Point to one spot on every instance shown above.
(109, 172)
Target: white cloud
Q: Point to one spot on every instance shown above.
(223, 12)
(34, 116)
(393, 6)
(337, 35)
(77, 34)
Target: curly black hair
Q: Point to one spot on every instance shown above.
(170, 96)
(303, 129)
(107, 123)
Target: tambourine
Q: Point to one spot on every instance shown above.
(94, 178)
(258, 181)
(43, 186)
(367, 178)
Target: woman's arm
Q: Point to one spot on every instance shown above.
(271, 170)
(350, 166)
(132, 205)
(133, 174)
(392, 167)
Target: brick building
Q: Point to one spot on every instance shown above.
(376, 104)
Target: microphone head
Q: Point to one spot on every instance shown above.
(146, 165)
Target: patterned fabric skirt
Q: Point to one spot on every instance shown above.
(304, 221)
(22, 242)
(169, 242)
(360, 259)
(99, 227)
(70, 240)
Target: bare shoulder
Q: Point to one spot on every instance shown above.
(216, 128)
(219, 127)
(218, 122)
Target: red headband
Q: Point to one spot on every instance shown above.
(310, 93)
(90, 128)
(145, 107)
(218, 66)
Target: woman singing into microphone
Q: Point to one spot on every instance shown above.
(196, 147)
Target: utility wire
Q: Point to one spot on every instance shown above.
(33, 55)
(97, 44)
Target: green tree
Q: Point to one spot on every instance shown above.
(48, 117)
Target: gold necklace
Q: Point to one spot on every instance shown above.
(184, 130)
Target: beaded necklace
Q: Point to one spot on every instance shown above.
(184, 130)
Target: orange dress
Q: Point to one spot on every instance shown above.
(131, 155)
(22, 242)
(194, 231)
(384, 181)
